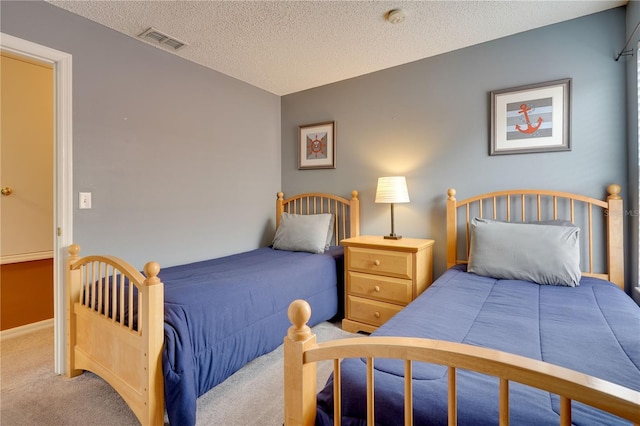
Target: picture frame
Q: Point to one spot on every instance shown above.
(531, 118)
(317, 146)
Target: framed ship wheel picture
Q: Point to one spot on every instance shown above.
(317, 146)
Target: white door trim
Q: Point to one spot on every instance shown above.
(63, 180)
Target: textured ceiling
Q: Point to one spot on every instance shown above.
(289, 46)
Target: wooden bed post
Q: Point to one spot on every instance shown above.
(74, 291)
(299, 378)
(615, 243)
(279, 208)
(152, 296)
(354, 212)
(452, 228)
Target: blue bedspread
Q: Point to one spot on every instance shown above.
(593, 328)
(222, 313)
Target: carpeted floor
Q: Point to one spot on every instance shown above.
(31, 394)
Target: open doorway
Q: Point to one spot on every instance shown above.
(63, 173)
(26, 201)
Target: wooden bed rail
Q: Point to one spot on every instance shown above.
(534, 205)
(107, 336)
(301, 353)
(346, 212)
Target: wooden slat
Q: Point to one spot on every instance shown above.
(452, 397)
(590, 238)
(504, 402)
(371, 420)
(94, 285)
(495, 209)
(565, 411)
(468, 240)
(337, 393)
(130, 316)
(121, 307)
(572, 211)
(408, 393)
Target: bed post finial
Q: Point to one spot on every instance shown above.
(151, 270)
(614, 191)
(354, 195)
(451, 193)
(280, 195)
(73, 250)
(299, 313)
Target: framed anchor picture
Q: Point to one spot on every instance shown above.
(317, 146)
(533, 118)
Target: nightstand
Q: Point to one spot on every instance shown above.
(382, 276)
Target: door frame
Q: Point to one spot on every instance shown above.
(63, 176)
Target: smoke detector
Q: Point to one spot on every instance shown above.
(396, 16)
(154, 36)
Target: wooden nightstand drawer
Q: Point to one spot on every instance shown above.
(370, 311)
(384, 262)
(378, 287)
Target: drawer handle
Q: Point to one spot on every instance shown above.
(376, 262)
(376, 314)
(377, 288)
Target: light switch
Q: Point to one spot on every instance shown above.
(84, 200)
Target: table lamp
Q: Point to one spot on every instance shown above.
(392, 189)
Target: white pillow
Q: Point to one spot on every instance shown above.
(303, 232)
(543, 254)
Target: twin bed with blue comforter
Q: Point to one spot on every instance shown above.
(592, 328)
(222, 313)
(484, 346)
(169, 337)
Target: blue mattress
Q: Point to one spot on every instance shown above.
(593, 328)
(222, 313)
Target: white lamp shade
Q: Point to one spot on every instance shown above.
(392, 189)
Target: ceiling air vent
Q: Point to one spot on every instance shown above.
(156, 37)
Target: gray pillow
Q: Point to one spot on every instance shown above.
(540, 253)
(302, 232)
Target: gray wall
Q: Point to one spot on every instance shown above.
(429, 120)
(633, 19)
(183, 162)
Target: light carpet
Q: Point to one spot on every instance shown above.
(31, 394)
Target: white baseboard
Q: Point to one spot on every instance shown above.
(636, 294)
(24, 329)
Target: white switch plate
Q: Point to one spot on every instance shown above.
(84, 200)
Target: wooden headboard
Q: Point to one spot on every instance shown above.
(346, 212)
(601, 223)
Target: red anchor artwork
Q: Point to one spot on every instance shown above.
(524, 109)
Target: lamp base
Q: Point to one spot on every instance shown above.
(392, 237)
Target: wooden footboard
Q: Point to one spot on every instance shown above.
(115, 320)
(301, 353)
